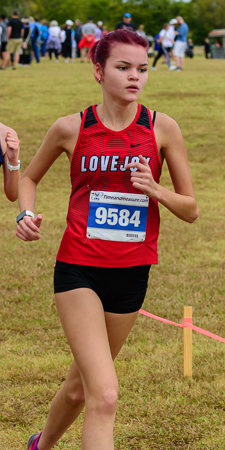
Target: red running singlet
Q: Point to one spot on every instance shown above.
(110, 223)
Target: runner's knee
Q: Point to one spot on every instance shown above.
(104, 401)
(73, 393)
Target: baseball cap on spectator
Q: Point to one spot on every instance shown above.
(127, 15)
(100, 23)
(69, 22)
(173, 21)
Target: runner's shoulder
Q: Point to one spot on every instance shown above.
(4, 129)
(165, 124)
(67, 127)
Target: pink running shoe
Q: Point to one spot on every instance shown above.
(33, 441)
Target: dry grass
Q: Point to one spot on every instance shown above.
(157, 408)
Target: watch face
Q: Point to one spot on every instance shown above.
(20, 216)
(24, 213)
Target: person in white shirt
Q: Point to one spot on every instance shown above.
(166, 37)
(141, 31)
(98, 33)
(173, 23)
(54, 43)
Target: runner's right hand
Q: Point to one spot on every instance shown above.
(28, 229)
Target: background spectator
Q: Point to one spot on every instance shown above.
(190, 48)
(207, 48)
(218, 43)
(104, 30)
(88, 32)
(140, 31)
(35, 39)
(53, 43)
(25, 57)
(63, 37)
(157, 45)
(126, 24)
(4, 38)
(181, 43)
(166, 44)
(15, 33)
(74, 44)
(43, 36)
(172, 24)
(78, 35)
(98, 34)
(67, 43)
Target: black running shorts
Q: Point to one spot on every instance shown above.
(121, 290)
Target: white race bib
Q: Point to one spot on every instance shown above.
(116, 216)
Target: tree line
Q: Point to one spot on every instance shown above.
(201, 15)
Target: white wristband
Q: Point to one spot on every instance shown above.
(10, 167)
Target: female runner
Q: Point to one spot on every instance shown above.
(103, 262)
(9, 154)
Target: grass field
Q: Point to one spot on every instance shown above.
(158, 408)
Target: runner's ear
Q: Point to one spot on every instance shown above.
(98, 72)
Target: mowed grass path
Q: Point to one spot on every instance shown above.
(157, 408)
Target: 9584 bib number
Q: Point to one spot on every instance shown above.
(113, 216)
(117, 216)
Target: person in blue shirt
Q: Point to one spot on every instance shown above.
(35, 39)
(43, 36)
(74, 44)
(180, 43)
(157, 45)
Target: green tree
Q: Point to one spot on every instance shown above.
(200, 15)
(207, 15)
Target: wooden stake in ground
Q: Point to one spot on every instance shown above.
(187, 342)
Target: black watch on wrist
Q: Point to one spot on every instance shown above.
(26, 212)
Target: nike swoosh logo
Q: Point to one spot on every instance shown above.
(135, 145)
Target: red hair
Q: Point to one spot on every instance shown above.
(100, 51)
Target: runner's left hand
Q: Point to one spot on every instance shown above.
(12, 147)
(143, 179)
